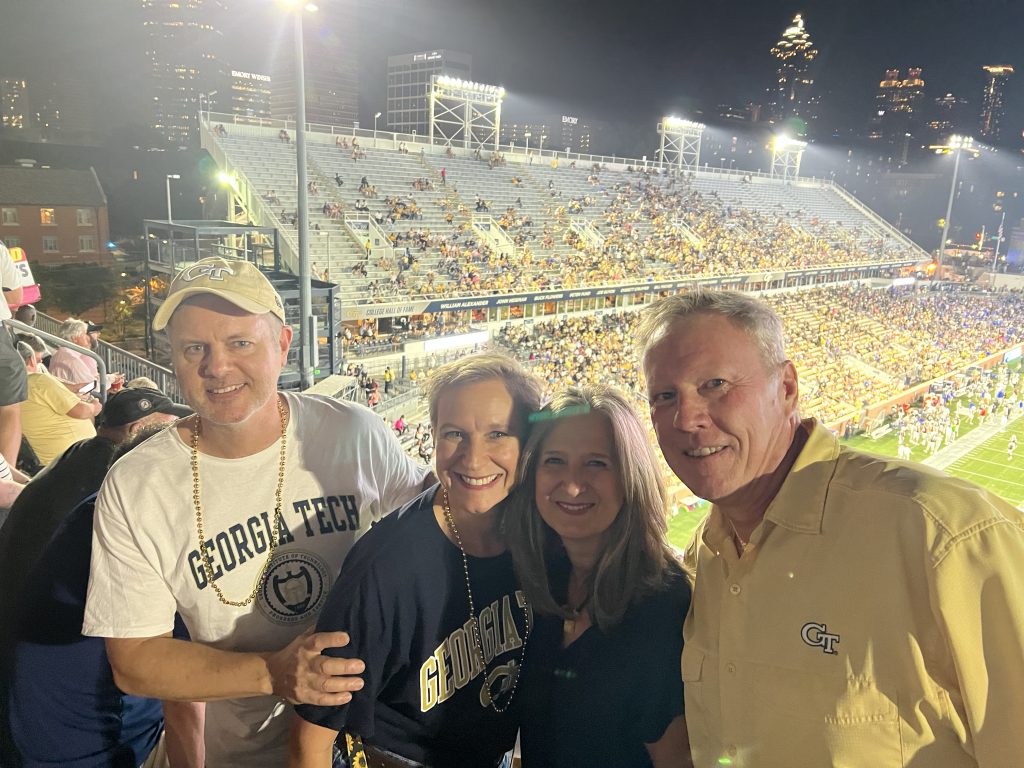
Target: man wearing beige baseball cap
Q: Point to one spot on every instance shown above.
(238, 518)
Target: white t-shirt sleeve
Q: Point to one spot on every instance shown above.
(397, 476)
(9, 275)
(128, 596)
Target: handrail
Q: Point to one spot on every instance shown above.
(101, 366)
(121, 360)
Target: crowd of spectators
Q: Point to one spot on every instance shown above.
(648, 226)
(852, 346)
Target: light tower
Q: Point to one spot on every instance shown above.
(786, 155)
(680, 143)
(465, 112)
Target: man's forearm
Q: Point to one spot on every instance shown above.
(179, 670)
(183, 734)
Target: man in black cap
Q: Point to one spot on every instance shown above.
(59, 704)
(71, 477)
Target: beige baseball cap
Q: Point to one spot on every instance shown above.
(239, 282)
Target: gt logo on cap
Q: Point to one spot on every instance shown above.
(209, 271)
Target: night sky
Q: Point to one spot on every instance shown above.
(612, 60)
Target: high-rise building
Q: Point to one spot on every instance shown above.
(14, 108)
(949, 116)
(409, 77)
(557, 132)
(182, 43)
(249, 94)
(899, 113)
(330, 45)
(793, 95)
(992, 101)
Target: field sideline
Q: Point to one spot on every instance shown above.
(985, 465)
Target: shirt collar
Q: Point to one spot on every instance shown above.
(800, 502)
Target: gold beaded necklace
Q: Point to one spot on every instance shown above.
(197, 503)
(477, 641)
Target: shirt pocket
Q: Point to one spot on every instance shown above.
(692, 669)
(832, 719)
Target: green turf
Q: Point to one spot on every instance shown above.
(986, 466)
(682, 524)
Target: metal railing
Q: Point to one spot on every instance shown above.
(57, 341)
(108, 356)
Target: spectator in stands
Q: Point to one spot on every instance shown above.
(74, 475)
(39, 348)
(26, 314)
(389, 376)
(141, 381)
(587, 530)
(410, 580)
(444, 177)
(338, 180)
(282, 135)
(65, 708)
(401, 426)
(12, 483)
(13, 382)
(53, 417)
(229, 341)
(885, 664)
(75, 368)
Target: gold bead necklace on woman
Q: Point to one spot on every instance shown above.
(197, 503)
(478, 646)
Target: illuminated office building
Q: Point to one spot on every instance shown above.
(992, 102)
(409, 76)
(899, 103)
(249, 94)
(793, 94)
(14, 109)
(330, 43)
(181, 43)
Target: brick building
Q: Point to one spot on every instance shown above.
(56, 215)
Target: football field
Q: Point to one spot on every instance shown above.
(988, 465)
(978, 455)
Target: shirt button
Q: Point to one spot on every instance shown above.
(730, 668)
(735, 589)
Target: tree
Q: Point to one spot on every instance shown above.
(75, 288)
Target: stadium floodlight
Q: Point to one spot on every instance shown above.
(679, 142)
(464, 112)
(956, 145)
(786, 155)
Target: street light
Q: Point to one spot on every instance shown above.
(307, 333)
(375, 116)
(527, 136)
(542, 137)
(956, 145)
(170, 176)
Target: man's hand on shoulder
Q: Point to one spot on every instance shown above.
(300, 673)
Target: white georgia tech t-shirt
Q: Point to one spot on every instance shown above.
(345, 469)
